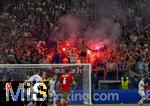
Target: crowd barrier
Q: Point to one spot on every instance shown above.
(110, 97)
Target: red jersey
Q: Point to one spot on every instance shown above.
(65, 81)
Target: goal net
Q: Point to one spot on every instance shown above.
(81, 94)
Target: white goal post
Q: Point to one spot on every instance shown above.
(81, 72)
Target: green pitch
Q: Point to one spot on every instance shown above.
(113, 105)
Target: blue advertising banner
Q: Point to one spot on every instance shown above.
(109, 97)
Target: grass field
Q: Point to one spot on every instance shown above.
(113, 105)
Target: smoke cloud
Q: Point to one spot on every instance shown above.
(94, 21)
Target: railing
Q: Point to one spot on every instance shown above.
(110, 74)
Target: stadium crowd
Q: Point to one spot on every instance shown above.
(25, 27)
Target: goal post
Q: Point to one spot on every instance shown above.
(81, 72)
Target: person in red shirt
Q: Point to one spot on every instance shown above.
(65, 82)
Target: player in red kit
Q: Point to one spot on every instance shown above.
(65, 82)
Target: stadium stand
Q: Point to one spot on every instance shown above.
(26, 27)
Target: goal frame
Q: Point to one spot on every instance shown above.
(48, 65)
